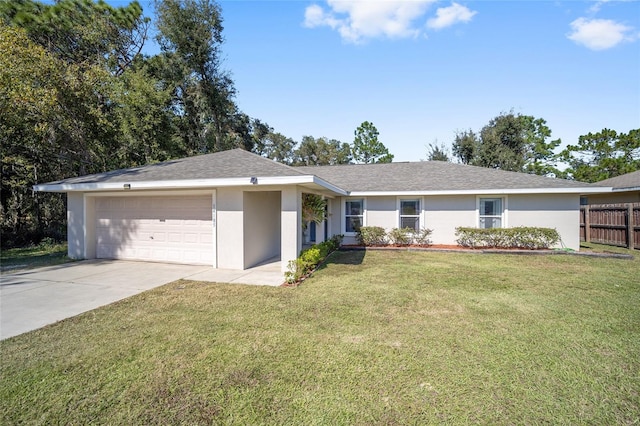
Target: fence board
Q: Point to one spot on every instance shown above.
(611, 224)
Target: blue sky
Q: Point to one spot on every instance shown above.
(421, 70)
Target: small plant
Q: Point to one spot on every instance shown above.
(421, 237)
(372, 236)
(401, 236)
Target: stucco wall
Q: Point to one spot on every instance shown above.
(229, 226)
(75, 225)
(291, 228)
(443, 214)
(261, 226)
(615, 197)
(381, 211)
(335, 217)
(559, 211)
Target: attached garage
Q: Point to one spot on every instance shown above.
(175, 229)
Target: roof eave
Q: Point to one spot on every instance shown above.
(516, 191)
(187, 184)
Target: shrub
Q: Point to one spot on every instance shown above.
(519, 237)
(401, 236)
(310, 258)
(421, 237)
(371, 236)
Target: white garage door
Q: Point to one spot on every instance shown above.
(165, 229)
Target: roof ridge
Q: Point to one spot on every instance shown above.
(267, 159)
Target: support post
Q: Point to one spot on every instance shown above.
(630, 227)
(587, 224)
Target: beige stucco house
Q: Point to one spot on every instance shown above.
(235, 209)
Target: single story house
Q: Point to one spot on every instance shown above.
(626, 189)
(235, 209)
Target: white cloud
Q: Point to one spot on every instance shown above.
(600, 34)
(448, 16)
(361, 19)
(595, 8)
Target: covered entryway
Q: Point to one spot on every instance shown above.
(262, 227)
(176, 229)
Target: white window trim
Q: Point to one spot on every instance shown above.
(505, 208)
(421, 215)
(343, 214)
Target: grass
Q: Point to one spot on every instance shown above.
(372, 338)
(33, 256)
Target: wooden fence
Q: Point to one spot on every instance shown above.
(611, 224)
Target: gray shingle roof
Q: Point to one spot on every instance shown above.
(234, 163)
(627, 181)
(410, 176)
(430, 176)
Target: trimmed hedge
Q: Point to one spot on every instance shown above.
(519, 237)
(310, 258)
(377, 236)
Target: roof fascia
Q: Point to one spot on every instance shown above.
(187, 184)
(582, 190)
(627, 189)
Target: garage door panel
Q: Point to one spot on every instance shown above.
(168, 229)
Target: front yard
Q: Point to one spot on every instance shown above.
(372, 338)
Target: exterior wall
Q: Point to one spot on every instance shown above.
(291, 227)
(75, 225)
(381, 211)
(615, 198)
(443, 214)
(261, 227)
(559, 211)
(90, 249)
(229, 224)
(335, 216)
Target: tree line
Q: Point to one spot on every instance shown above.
(77, 96)
(522, 143)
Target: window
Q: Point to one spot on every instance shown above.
(353, 215)
(410, 214)
(490, 212)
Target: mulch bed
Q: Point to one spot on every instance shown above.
(484, 250)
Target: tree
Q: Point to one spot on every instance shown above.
(190, 37)
(540, 158)
(438, 152)
(465, 146)
(82, 32)
(278, 147)
(322, 152)
(603, 155)
(366, 146)
(509, 142)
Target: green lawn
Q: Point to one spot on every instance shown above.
(33, 257)
(375, 338)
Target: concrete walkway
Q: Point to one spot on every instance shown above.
(34, 298)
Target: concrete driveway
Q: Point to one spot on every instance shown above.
(34, 298)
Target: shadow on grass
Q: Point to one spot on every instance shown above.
(339, 257)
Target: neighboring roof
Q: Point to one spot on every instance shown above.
(238, 168)
(435, 176)
(627, 182)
